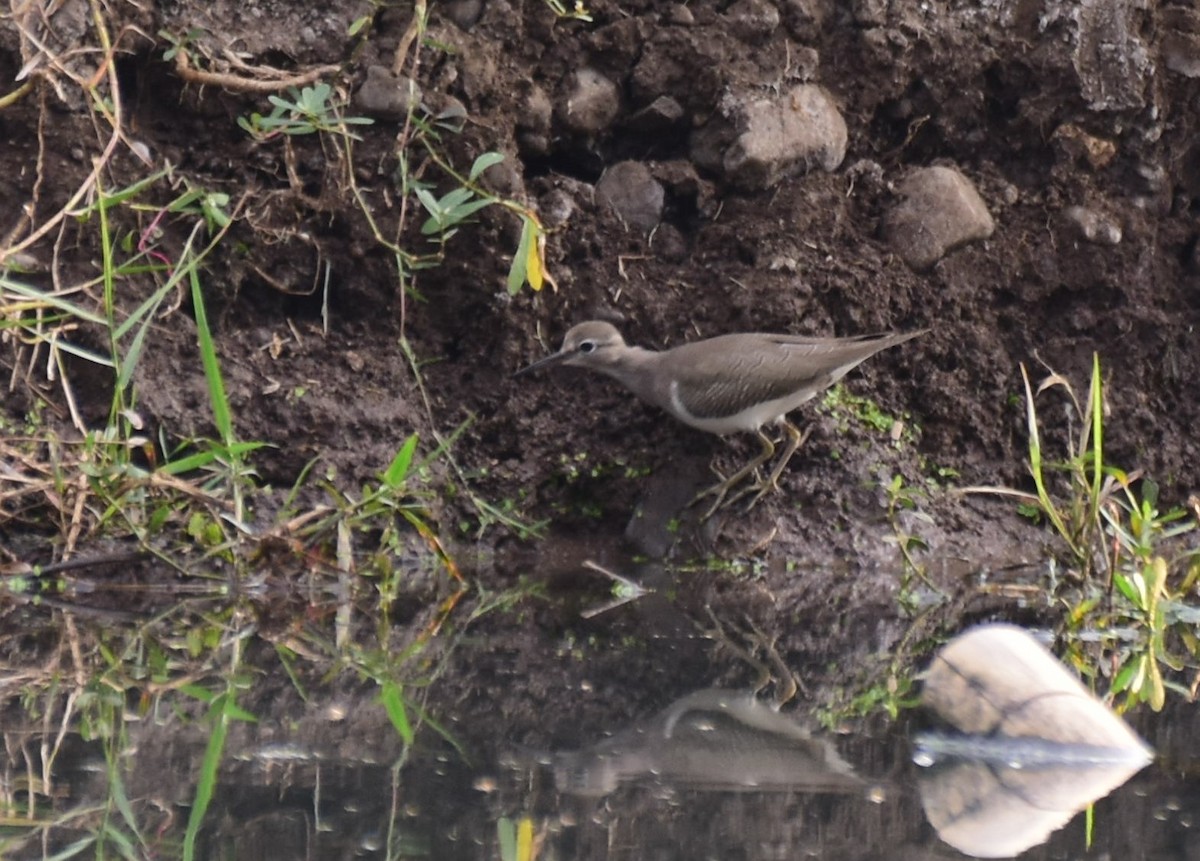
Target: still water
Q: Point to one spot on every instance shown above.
(646, 732)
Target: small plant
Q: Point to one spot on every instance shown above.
(310, 110)
(902, 506)
(1126, 590)
(848, 407)
(450, 210)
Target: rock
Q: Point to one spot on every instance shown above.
(505, 179)
(556, 208)
(752, 20)
(805, 18)
(633, 193)
(1111, 58)
(591, 104)
(1181, 40)
(533, 125)
(464, 13)
(386, 95)
(940, 211)
(779, 137)
(659, 116)
(1093, 226)
(681, 15)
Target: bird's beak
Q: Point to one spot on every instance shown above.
(552, 359)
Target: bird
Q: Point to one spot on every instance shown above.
(732, 383)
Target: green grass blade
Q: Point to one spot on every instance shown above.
(53, 301)
(116, 789)
(1035, 464)
(222, 417)
(221, 710)
(1096, 396)
(83, 353)
(74, 849)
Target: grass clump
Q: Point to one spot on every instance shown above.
(1131, 618)
(157, 577)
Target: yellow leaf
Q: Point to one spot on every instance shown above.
(525, 837)
(533, 260)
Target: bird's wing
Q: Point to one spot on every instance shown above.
(719, 377)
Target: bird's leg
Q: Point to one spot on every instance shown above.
(722, 487)
(795, 440)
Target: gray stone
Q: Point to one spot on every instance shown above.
(1181, 40)
(533, 125)
(681, 15)
(556, 207)
(1111, 58)
(1096, 227)
(633, 193)
(386, 95)
(658, 116)
(505, 179)
(940, 211)
(782, 136)
(592, 102)
(752, 20)
(464, 13)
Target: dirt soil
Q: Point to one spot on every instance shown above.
(1063, 115)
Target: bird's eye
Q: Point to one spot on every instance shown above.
(587, 346)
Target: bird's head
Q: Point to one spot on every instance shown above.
(594, 344)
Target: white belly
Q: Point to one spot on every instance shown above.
(750, 419)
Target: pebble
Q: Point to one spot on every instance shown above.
(464, 13)
(533, 124)
(1181, 40)
(782, 136)
(658, 116)
(681, 15)
(939, 211)
(556, 208)
(1093, 226)
(592, 103)
(633, 193)
(752, 20)
(386, 95)
(505, 178)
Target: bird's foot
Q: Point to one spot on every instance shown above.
(721, 490)
(745, 644)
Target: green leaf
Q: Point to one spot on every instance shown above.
(506, 835)
(483, 163)
(392, 697)
(397, 471)
(519, 270)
